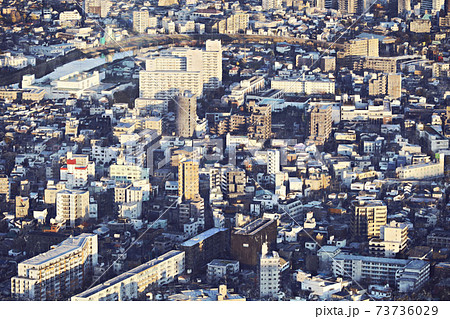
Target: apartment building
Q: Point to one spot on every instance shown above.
(58, 272)
(260, 122)
(405, 274)
(127, 173)
(247, 241)
(22, 206)
(141, 20)
(5, 187)
(367, 218)
(179, 69)
(77, 171)
(133, 284)
(303, 86)
(204, 247)
(188, 179)
(221, 268)
(422, 170)
(362, 47)
(420, 26)
(186, 115)
(320, 123)
(269, 273)
(393, 240)
(271, 4)
(386, 84)
(72, 206)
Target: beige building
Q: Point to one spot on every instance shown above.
(58, 272)
(362, 47)
(320, 123)
(348, 6)
(368, 217)
(188, 179)
(393, 240)
(4, 187)
(22, 206)
(186, 107)
(72, 206)
(386, 84)
(260, 122)
(420, 26)
(141, 21)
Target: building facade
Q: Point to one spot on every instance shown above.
(58, 272)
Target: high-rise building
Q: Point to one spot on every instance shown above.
(404, 6)
(135, 283)
(269, 273)
(58, 272)
(186, 114)
(393, 240)
(271, 4)
(320, 122)
(247, 241)
(141, 21)
(273, 164)
(179, 69)
(72, 206)
(368, 217)
(98, 7)
(188, 179)
(431, 6)
(386, 84)
(348, 6)
(260, 122)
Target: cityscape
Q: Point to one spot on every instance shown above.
(215, 150)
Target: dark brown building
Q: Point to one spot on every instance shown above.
(204, 247)
(246, 242)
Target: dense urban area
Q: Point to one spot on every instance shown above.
(225, 150)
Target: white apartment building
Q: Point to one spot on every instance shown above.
(124, 173)
(134, 283)
(179, 69)
(302, 86)
(220, 268)
(393, 239)
(271, 4)
(165, 85)
(381, 270)
(269, 273)
(72, 206)
(422, 170)
(77, 171)
(57, 272)
(69, 15)
(141, 21)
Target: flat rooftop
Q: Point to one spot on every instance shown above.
(128, 274)
(254, 226)
(202, 236)
(67, 246)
